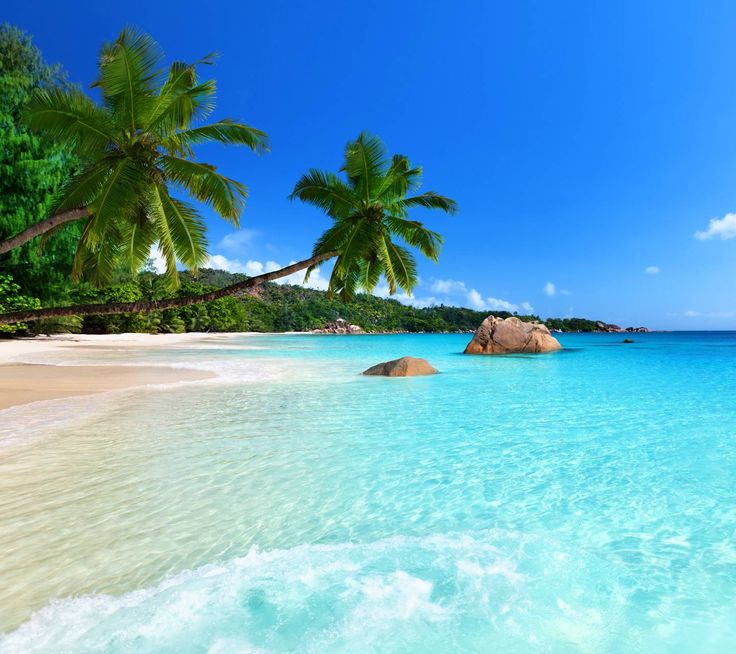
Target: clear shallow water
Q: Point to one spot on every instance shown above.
(583, 501)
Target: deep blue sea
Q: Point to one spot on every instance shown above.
(580, 501)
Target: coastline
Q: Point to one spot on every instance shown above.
(55, 367)
(23, 383)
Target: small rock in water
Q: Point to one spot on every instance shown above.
(403, 367)
(628, 340)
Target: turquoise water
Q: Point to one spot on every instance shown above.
(582, 501)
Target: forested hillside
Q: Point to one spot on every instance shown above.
(272, 308)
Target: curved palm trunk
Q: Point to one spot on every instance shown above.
(160, 305)
(42, 227)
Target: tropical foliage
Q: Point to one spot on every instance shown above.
(273, 308)
(369, 206)
(137, 149)
(33, 167)
(11, 299)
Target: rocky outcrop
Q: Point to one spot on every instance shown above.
(499, 336)
(340, 326)
(610, 328)
(403, 367)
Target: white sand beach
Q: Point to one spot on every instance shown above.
(46, 368)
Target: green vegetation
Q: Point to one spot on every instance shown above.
(369, 209)
(32, 169)
(136, 149)
(270, 308)
(572, 324)
(11, 299)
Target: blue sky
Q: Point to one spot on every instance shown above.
(586, 143)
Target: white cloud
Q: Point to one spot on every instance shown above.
(253, 268)
(157, 259)
(475, 299)
(454, 292)
(383, 291)
(236, 242)
(550, 289)
(447, 286)
(710, 314)
(652, 270)
(723, 228)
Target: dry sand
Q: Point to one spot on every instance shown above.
(21, 383)
(26, 376)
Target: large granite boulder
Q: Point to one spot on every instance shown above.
(499, 336)
(403, 367)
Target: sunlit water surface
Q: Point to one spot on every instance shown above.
(583, 501)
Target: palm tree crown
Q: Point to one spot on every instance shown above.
(370, 209)
(137, 146)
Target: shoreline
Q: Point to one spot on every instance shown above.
(71, 365)
(25, 383)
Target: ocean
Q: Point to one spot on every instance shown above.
(579, 501)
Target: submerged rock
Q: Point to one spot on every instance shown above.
(499, 336)
(403, 367)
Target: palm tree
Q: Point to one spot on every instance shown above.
(369, 209)
(138, 152)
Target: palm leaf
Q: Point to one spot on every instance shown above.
(67, 115)
(129, 70)
(139, 237)
(119, 198)
(365, 162)
(430, 200)
(224, 195)
(326, 191)
(82, 189)
(226, 131)
(400, 179)
(182, 106)
(371, 270)
(403, 265)
(187, 230)
(166, 244)
(415, 234)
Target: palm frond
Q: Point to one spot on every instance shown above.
(371, 270)
(129, 71)
(187, 230)
(365, 163)
(403, 264)
(69, 116)
(417, 235)
(119, 199)
(82, 189)
(400, 179)
(96, 259)
(181, 107)
(226, 196)
(138, 237)
(226, 131)
(165, 240)
(326, 191)
(430, 200)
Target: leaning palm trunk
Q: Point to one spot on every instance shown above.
(160, 305)
(42, 227)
